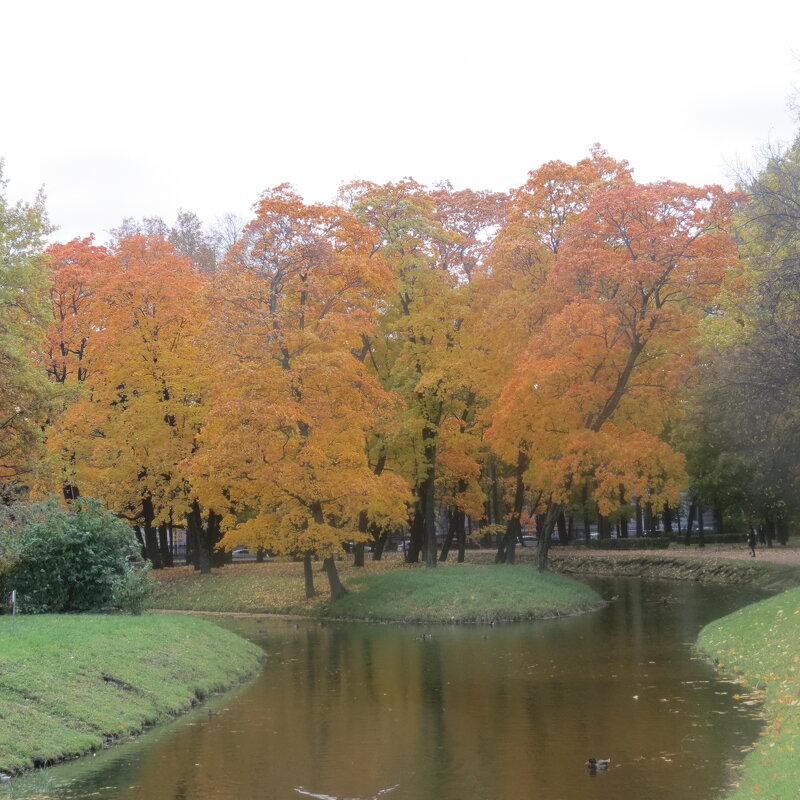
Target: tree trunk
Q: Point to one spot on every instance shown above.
(380, 544)
(417, 530)
(430, 500)
(337, 588)
(461, 534)
(358, 554)
(545, 532)
(194, 527)
(639, 525)
(690, 523)
(152, 552)
(308, 575)
(667, 517)
(506, 550)
(561, 525)
(701, 541)
(448, 539)
(163, 545)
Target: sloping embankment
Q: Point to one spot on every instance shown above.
(709, 569)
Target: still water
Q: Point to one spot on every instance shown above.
(452, 713)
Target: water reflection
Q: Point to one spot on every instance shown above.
(467, 713)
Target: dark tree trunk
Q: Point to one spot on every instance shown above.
(430, 498)
(358, 554)
(417, 530)
(199, 535)
(561, 525)
(494, 502)
(506, 550)
(151, 549)
(337, 588)
(448, 539)
(260, 553)
(718, 518)
(639, 524)
(701, 539)
(690, 524)
(380, 544)
(667, 517)
(163, 545)
(308, 576)
(461, 534)
(546, 529)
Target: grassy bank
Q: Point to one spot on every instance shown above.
(759, 645)
(659, 564)
(386, 591)
(72, 684)
(464, 594)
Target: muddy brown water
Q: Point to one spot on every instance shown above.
(501, 712)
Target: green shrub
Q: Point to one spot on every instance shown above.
(637, 543)
(132, 589)
(64, 560)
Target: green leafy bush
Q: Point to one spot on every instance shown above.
(66, 560)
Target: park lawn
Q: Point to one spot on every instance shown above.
(760, 645)
(71, 684)
(464, 593)
(386, 590)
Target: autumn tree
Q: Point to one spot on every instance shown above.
(292, 405)
(638, 269)
(432, 242)
(508, 309)
(140, 407)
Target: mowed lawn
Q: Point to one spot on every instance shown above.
(387, 590)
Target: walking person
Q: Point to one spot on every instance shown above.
(751, 541)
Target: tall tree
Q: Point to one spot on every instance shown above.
(26, 396)
(292, 404)
(600, 377)
(141, 407)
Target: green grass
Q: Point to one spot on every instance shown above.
(760, 644)
(70, 684)
(387, 591)
(463, 594)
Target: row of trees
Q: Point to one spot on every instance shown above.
(335, 372)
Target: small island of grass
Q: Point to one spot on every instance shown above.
(463, 594)
(71, 684)
(385, 591)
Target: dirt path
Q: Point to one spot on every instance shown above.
(778, 554)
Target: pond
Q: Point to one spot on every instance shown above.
(499, 712)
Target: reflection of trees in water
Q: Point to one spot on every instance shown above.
(471, 712)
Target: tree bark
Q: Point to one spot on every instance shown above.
(163, 545)
(308, 575)
(337, 588)
(545, 532)
(506, 550)
(152, 552)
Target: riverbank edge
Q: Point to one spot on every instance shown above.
(766, 575)
(118, 682)
(770, 770)
(755, 647)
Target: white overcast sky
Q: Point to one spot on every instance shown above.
(141, 108)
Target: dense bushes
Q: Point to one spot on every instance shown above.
(638, 543)
(67, 560)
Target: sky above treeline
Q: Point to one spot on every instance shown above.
(131, 110)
